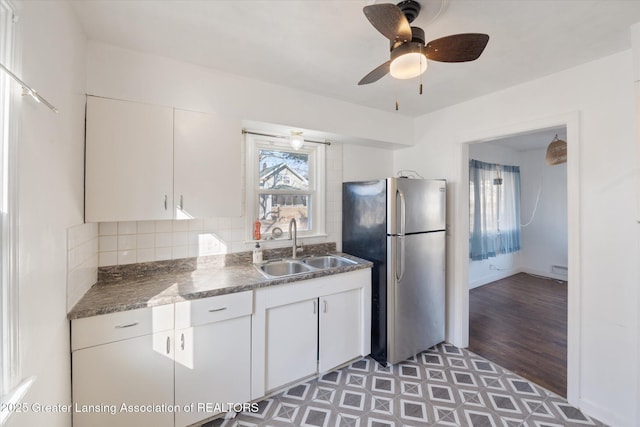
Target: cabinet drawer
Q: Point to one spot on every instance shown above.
(96, 330)
(214, 309)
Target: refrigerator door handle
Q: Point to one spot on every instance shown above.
(400, 204)
(399, 259)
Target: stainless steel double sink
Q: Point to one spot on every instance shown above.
(308, 264)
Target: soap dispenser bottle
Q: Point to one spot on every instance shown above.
(257, 254)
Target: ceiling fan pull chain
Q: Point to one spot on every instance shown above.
(421, 56)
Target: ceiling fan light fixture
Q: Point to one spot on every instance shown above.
(408, 66)
(296, 140)
(407, 61)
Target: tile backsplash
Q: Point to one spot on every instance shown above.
(132, 242)
(82, 260)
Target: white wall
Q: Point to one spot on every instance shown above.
(602, 92)
(123, 74)
(361, 163)
(545, 240)
(50, 159)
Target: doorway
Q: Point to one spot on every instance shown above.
(459, 327)
(518, 296)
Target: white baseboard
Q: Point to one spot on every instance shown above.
(604, 415)
(496, 275)
(543, 273)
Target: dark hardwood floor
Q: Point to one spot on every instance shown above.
(520, 323)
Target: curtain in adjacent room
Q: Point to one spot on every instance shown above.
(494, 209)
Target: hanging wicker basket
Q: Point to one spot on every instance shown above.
(556, 152)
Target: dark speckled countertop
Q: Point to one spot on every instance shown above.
(166, 287)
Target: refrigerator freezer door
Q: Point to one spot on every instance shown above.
(415, 294)
(364, 234)
(415, 205)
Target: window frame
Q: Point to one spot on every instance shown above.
(9, 326)
(316, 190)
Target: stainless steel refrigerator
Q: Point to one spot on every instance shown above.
(399, 225)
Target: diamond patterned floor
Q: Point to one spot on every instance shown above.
(443, 386)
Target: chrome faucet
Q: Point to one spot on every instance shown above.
(293, 225)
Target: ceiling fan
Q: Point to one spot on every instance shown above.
(409, 52)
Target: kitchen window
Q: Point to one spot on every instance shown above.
(9, 371)
(285, 184)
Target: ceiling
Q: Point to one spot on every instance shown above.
(326, 46)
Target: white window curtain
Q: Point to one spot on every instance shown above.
(494, 209)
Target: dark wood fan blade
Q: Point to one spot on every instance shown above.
(379, 72)
(457, 48)
(389, 20)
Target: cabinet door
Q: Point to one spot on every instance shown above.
(136, 371)
(129, 161)
(291, 342)
(213, 364)
(207, 165)
(341, 328)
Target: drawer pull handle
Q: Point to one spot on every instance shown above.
(213, 310)
(324, 305)
(182, 341)
(128, 325)
(168, 345)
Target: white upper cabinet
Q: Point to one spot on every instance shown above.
(206, 163)
(129, 161)
(149, 162)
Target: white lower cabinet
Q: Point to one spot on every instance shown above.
(123, 369)
(213, 355)
(305, 328)
(341, 328)
(292, 337)
(162, 366)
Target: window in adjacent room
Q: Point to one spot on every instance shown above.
(285, 184)
(494, 192)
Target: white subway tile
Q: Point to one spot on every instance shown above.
(165, 226)
(108, 228)
(179, 252)
(180, 225)
(163, 254)
(164, 240)
(126, 257)
(127, 227)
(224, 223)
(108, 258)
(210, 224)
(180, 238)
(108, 243)
(238, 222)
(195, 224)
(195, 250)
(143, 227)
(145, 241)
(126, 242)
(146, 255)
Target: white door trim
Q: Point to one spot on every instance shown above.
(460, 329)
